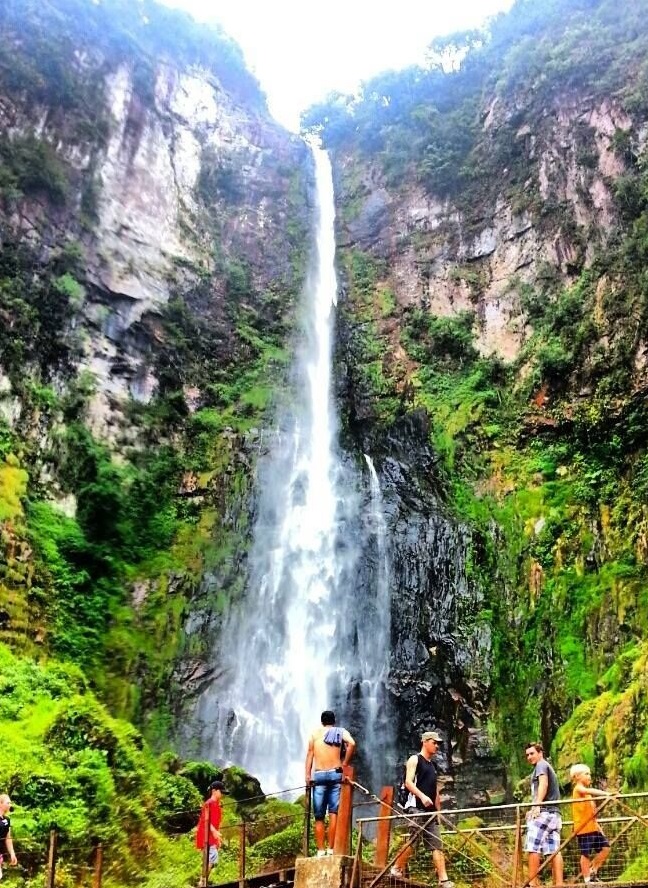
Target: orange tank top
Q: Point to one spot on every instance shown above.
(584, 814)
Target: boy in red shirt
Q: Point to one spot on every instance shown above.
(211, 815)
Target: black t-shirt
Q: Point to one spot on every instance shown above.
(5, 826)
(426, 781)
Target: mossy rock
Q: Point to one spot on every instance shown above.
(271, 817)
(201, 774)
(243, 787)
(610, 732)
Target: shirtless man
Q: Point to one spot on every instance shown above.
(330, 750)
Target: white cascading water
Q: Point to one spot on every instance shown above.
(278, 658)
(373, 642)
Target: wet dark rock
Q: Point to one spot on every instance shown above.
(438, 667)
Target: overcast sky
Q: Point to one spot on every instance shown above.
(301, 50)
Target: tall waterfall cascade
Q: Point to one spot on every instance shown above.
(299, 641)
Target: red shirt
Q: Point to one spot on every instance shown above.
(215, 809)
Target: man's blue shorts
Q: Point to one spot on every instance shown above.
(590, 844)
(326, 792)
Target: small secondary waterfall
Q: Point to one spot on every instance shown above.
(374, 637)
(303, 638)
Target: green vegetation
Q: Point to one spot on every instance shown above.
(115, 32)
(426, 123)
(370, 305)
(543, 457)
(66, 761)
(563, 482)
(31, 166)
(40, 298)
(111, 548)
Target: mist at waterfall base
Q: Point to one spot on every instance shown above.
(312, 629)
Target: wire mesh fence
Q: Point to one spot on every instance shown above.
(485, 847)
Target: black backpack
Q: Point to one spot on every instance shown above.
(402, 792)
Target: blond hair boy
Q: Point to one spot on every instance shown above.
(592, 843)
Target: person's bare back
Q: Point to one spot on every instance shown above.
(327, 766)
(326, 756)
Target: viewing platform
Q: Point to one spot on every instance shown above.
(482, 847)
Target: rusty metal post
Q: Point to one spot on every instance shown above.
(307, 820)
(343, 830)
(97, 875)
(517, 847)
(384, 825)
(242, 841)
(52, 856)
(205, 854)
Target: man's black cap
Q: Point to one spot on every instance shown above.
(217, 784)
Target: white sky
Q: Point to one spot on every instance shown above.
(301, 50)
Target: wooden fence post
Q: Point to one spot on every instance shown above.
(307, 820)
(356, 871)
(384, 825)
(517, 847)
(343, 830)
(242, 840)
(52, 855)
(98, 867)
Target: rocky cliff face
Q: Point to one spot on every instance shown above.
(440, 657)
(154, 223)
(157, 217)
(445, 257)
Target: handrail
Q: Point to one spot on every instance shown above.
(492, 808)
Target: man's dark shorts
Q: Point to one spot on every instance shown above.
(326, 792)
(425, 830)
(589, 844)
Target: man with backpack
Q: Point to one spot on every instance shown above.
(422, 785)
(330, 749)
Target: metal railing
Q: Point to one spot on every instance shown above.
(484, 847)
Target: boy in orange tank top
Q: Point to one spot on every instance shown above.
(592, 842)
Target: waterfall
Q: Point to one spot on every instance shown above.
(374, 641)
(311, 631)
(374, 637)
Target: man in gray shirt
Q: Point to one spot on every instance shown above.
(543, 820)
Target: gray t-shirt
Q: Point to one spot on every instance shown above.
(553, 789)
